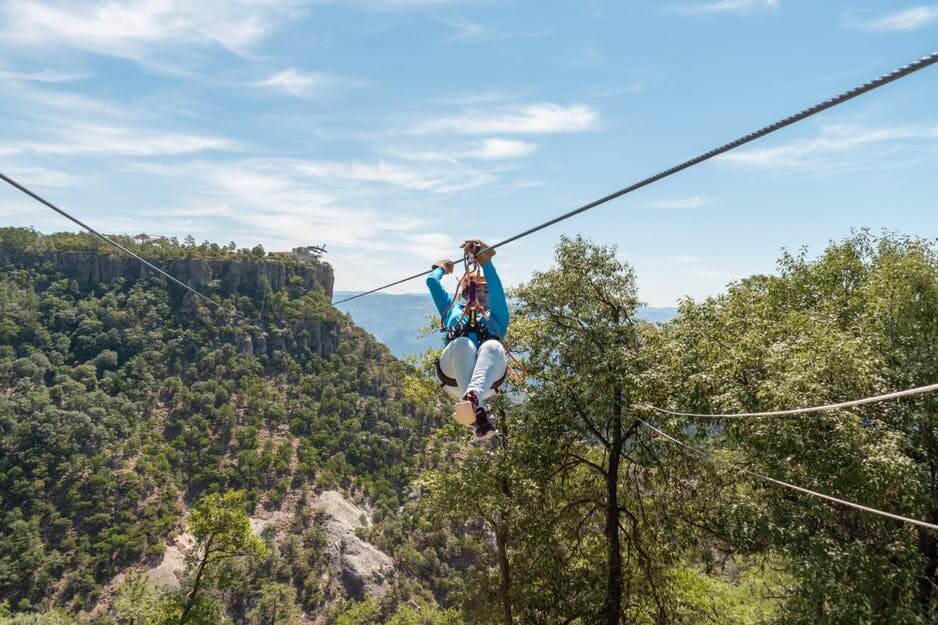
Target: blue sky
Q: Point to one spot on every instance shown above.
(392, 129)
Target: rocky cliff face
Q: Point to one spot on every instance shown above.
(226, 278)
(362, 567)
(320, 338)
(235, 276)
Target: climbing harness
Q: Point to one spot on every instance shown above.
(473, 312)
(447, 381)
(475, 320)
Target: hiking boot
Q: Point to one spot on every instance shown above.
(467, 409)
(484, 431)
(483, 428)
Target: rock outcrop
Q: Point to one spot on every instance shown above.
(171, 567)
(253, 279)
(235, 277)
(362, 567)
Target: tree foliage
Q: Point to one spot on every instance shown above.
(860, 320)
(118, 405)
(126, 416)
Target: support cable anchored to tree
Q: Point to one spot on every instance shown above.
(881, 81)
(702, 453)
(799, 411)
(112, 242)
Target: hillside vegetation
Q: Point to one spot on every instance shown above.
(133, 416)
(123, 404)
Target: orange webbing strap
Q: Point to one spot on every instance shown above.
(516, 371)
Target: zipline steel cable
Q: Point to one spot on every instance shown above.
(799, 411)
(701, 453)
(883, 80)
(109, 240)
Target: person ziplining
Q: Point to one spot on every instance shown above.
(474, 322)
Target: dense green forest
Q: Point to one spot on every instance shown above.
(156, 248)
(130, 413)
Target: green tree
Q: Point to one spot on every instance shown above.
(53, 617)
(135, 601)
(860, 320)
(587, 373)
(364, 612)
(276, 605)
(424, 615)
(222, 531)
(491, 486)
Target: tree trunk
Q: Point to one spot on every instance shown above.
(928, 581)
(501, 534)
(190, 600)
(612, 611)
(504, 568)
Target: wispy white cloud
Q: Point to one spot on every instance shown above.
(44, 177)
(494, 148)
(467, 30)
(83, 139)
(307, 84)
(478, 98)
(278, 201)
(679, 202)
(42, 120)
(325, 176)
(286, 202)
(46, 76)
(541, 118)
(898, 21)
(381, 172)
(431, 245)
(834, 149)
(489, 149)
(726, 6)
(392, 5)
(141, 29)
(58, 105)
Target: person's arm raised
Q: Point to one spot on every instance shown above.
(441, 299)
(498, 303)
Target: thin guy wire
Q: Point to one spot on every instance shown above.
(350, 265)
(885, 79)
(702, 453)
(108, 240)
(797, 411)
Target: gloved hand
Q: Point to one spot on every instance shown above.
(445, 265)
(485, 256)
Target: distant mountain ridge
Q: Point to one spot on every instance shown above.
(396, 320)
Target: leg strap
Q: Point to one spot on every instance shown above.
(445, 380)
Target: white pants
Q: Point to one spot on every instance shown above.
(473, 369)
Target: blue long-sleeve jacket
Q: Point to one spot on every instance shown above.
(497, 323)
